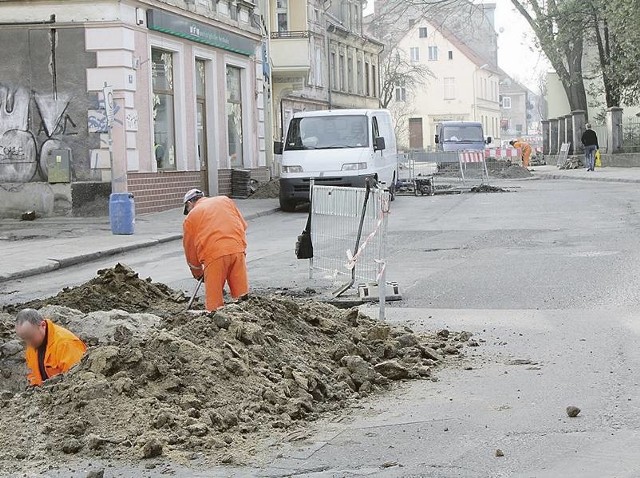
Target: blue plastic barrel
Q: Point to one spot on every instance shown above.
(122, 213)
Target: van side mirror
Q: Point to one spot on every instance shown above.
(437, 139)
(379, 144)
(489, 140)
(278, 146)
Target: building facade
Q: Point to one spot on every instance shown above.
(461, 86)
(186, 89)
(320, 58)
(457, 44)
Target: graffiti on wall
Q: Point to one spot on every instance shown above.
(32, 124)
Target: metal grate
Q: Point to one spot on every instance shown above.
(336, 215)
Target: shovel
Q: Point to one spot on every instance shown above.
(195, 292)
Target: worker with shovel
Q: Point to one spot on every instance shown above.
(525, 151)
(215, 243)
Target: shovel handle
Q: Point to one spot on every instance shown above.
(195, 292)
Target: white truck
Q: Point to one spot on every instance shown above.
(336, 148)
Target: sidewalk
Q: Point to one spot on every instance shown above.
(616, 175)
(31, 248)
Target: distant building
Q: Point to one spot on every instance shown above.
(521, 110)
(464, 80)
(321, 58)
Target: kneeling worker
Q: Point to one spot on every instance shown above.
(51, 349)
(215, 244)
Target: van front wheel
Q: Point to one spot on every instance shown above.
(287, 205)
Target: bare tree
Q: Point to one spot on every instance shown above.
(397, 71)
(559, 26)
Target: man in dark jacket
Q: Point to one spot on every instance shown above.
(590, 142)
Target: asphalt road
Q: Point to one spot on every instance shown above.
(546, 274)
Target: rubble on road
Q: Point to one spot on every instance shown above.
(216, 383)
(268, 190)
(513, 172)
(485, 188)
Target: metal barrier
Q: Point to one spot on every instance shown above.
(432, 172)
(348, 230)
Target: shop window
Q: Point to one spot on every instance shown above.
(164, 144)
(234, 116)
(201, 113)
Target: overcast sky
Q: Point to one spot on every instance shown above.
(517, 53)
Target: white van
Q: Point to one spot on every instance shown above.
(336, 148)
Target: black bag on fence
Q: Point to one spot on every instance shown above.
(304, 246)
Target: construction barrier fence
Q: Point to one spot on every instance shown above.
(348, 231)
(427, 173)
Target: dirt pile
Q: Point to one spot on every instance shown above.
(485, 188)
(119, 287)
(270, 190)
(214, 383)
(514, 172)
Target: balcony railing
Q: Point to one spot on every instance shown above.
(289, 34)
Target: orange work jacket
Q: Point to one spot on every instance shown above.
(64, 350)
(214, 228)
(523, 146)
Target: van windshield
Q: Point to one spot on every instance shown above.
(328, 132)
(462, 134)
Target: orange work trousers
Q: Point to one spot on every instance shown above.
(230, 269)
(526, 156)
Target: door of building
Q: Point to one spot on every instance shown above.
(416, 140)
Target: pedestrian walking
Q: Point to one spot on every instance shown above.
(215, 245)
(590, 142)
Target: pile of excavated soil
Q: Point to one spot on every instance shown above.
(117, 288)
(210, 383)
(270, 190)
(485, 188)
(514, 172)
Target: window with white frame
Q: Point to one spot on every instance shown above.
(423, 32)
(282, 15)
(343, 74)
(433, 53)
(506, 102)
(401, 94)
(450, 54)
(350, 73)
(234, 115)
(414, 54)
(449, 88)
(319, 71)
(164, 138)
(360, 76)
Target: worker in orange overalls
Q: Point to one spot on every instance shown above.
(215, 245)
(525, 151)
(51, 349)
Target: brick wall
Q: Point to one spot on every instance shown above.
(154, 192)
(224, 182)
